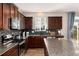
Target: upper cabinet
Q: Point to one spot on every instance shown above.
(10, 16)
(12, 10)
(15, 11)
(1, 26)
(9, 12)
(21, 22)
(28, 23)
(6, 15)
(54, 23)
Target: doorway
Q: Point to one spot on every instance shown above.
(75, 31)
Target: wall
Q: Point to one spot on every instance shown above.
(46, 14)
(77, 14)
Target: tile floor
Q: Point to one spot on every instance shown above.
(34, 52)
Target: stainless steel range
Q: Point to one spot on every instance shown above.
(7, 39)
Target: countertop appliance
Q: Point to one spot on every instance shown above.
(6, 39)
(18, 38)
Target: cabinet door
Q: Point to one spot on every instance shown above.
(16, 11)
(1, 26)
(6, 15)
(45, 51)
(12, 10)
(26, 43)
(31, 43)
(35, 42)
(23, 21)
(28, 23)
(55, 22)
(11, 52)
(39, 41)
(22, 24)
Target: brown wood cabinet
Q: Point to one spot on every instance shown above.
(1, 21)
(9, 11)
(28, 23)
(12, 11)
(6, 15)
(35, 42)
(26, 43)
(54, 22)
(45, 52)
(22, 21)
(16, 11)
(11, 52)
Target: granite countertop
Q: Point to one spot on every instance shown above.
(4, 48)
(44, 34)
(37, 35)
(61, 47)
(40, 33)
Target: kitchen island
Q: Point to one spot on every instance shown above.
(62, 47)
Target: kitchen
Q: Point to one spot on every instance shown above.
(20, 31)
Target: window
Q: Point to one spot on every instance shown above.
(39, 23)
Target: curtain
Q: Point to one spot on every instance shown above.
(71, 17)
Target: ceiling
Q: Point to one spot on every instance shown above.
(48, 7)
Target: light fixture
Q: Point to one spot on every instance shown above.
(40, 13)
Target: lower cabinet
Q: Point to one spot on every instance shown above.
(11, 52)
(45, 51)
(35, 42)
(26, 44)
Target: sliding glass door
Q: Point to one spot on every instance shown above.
(75, 31)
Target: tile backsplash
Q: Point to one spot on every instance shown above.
(5, 32)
